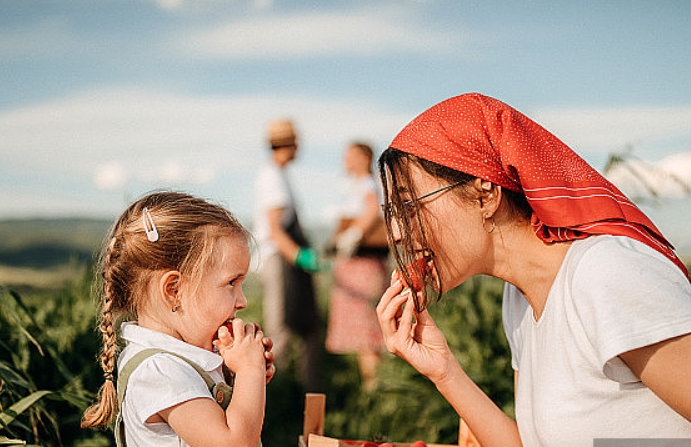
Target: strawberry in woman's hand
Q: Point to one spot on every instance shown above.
(413, 269)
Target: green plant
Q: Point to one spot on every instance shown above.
(39, 394)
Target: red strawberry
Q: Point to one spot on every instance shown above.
(229, 325)
(418, 444)
(414, 269)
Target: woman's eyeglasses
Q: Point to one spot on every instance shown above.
(409, 205)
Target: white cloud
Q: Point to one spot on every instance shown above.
(643, 180)
(184, 5)
(311, 34)
(110, 176)
(128, 139)
(132, 140)
(613, 129)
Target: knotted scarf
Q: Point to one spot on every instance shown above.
(486, 138)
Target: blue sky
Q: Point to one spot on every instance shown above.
(102, 101)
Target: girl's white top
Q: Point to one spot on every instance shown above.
(161, 381)
(611, 295)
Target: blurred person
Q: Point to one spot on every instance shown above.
(175, 265)
(360, 268)
(286, 261)
(597, 306)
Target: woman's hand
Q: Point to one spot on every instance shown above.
(244, 349)
(413, 336)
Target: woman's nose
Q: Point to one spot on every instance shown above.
(396, 231)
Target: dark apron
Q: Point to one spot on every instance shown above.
(300, 306)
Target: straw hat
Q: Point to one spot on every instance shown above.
(281, 133)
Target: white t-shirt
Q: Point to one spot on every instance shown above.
(271, 190)
(611, 295)
(159, 382)
(354, 200)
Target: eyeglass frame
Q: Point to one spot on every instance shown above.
(408, 204)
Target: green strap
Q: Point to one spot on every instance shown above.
(138, 358)
(221, 391)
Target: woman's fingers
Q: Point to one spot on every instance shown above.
(405, 321)
(389, 309)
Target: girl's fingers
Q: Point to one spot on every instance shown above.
(238, 327)
(268, 343)
(224, 336)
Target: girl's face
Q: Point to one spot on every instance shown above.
(219, 294)
(453, 227)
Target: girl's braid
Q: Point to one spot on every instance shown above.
(104, 410)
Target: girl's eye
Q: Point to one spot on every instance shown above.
(236, 281)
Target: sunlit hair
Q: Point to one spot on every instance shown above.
(188, 228)
(398, 188)
(366, 150)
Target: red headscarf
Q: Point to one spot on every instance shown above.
(486, 138)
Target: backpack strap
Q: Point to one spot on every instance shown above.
(220, 391)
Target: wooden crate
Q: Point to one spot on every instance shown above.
(313, 429)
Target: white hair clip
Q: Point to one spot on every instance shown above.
(148, 221)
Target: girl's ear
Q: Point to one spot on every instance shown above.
(169, 285)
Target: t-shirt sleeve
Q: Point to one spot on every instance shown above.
(515, 308)
(270, 191)
(162, 381)
(627, 296)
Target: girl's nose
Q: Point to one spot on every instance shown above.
(241, 302)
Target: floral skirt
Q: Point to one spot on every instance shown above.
(358, 284)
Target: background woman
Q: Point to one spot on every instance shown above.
(360, 273)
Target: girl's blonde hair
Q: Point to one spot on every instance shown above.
(161, 231)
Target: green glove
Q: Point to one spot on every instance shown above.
(307, 259)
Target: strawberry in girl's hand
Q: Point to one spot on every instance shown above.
(229, 325)
(418, 444)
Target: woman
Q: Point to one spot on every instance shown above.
(597, 307)
(360, 271)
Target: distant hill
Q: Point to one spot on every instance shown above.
(44, 243)
(47, 243)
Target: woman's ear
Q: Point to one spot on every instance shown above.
(489, 195)
(169, 288)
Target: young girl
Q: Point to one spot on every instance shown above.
(175, 265)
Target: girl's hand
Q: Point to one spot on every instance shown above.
(269, 357)
(413, 336)
(243, 350)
